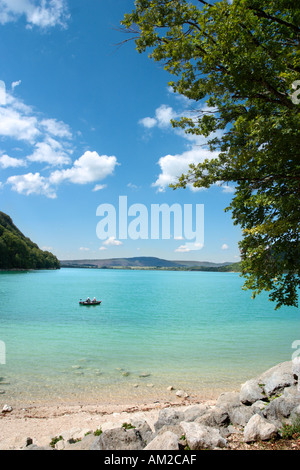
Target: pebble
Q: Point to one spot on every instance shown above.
(181, 394)
(7, 409)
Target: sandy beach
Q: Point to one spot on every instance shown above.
(41, 423)
(260, 406)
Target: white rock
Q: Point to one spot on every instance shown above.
(181, 394)
(201, 437)
(165, 441)
(74, 434)
(7, 409)
(259, 429)
(251, 392)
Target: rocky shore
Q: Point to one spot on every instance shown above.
(264, 410)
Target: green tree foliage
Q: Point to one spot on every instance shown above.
(19, 252)
(242, 60)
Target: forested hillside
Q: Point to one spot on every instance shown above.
(19, 252)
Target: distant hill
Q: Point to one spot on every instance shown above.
(19, 252)
(147, 262)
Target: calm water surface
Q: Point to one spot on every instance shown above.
(192, 330)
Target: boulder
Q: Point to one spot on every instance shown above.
(35, 447)
(164, 441)
(200, 437)
(295, 413)
(251, 391)
(144, 429)
(259, 429)
(194, 412)
(173, 428)
(229, 400)
(258, 406)
(296, 368)
(84, 444)
(281, 408)
(292, 392)
(241, 415)
(168, 416)
(268, 384)
(215, 417)
(278, 378)
(74, 434)
(119, 439)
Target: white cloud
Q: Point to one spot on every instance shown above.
(10, 162)
(83, 248)
(225, 246)
(148, 122)
(17, 125)
(102, 248)
(19, 121)
(111, 241)
(133, 186)
(228, 189)
(173, 166)
(87, 169)
(43, 14)
(90, 167)
(50, 151)
(51, 143)
(56, 128)
(163, 116)
(50, 138)
(15, 84)
(31, 184)
(99, 187)
(189, 247)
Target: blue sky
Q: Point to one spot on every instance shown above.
(85, 122)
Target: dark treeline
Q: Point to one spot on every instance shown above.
(19, 252)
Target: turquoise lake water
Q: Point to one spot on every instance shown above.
(196, 331)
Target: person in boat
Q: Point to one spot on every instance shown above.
(88, 300)
(94, 299)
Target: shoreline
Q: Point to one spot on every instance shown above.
(269, 399)
(43, 422)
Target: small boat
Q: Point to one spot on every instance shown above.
(90, 302)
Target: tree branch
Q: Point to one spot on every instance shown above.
(263, 14)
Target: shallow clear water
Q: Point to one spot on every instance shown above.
(193, 330)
